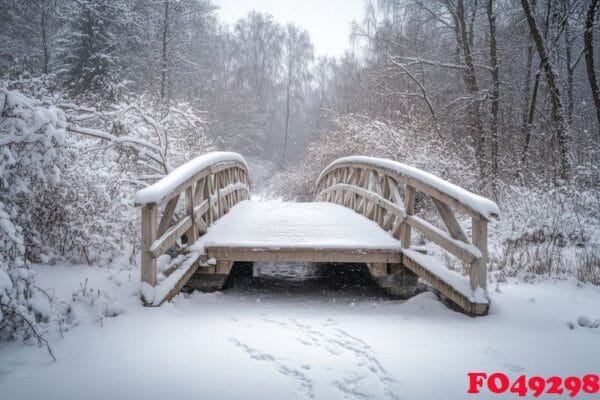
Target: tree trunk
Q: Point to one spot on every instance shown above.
(288, 95)
(529, 115)
(44, 29)
(555, 100)
(163, 61)
(471, 82)
(569, 70)
(588, 42)
(529, 110)
(525, 126)
(471, 29)
(496, 86)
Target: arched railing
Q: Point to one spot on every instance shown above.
(210, 185)
(384, 191)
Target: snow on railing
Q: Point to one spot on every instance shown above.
(167, 186)
(487, 208)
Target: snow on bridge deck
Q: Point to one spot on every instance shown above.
(317, 231)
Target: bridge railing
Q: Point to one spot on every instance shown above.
(385, 191)
(210, 185)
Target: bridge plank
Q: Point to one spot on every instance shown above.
(370, 198)
(466, 252)
(180, 270)
(302, 254)
(448, 283)
(450, 221)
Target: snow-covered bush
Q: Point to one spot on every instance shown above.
(32, 154)
(351, 134)
(67, 175)
(549, 231)
(146, 137)
(93, 305)
(107, 154)
(120, 149)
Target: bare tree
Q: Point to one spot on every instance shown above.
(554, 92)
(163, 56)
(588, 41)
(496, 85)
(470, 77)
(259, 52)
(177, 20)
(298, 53)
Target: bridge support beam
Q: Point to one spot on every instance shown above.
(395, 279)
(210, 278)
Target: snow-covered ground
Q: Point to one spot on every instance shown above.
(297, 331)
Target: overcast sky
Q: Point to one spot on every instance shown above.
(327, 21)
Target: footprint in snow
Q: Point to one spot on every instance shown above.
(513, 367)
(338, 342)
(496, 354)
(302, 381)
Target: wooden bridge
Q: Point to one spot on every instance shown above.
(366, 210)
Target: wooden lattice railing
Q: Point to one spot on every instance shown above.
(385, 191)
(211, 185)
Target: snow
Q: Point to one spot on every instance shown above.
(157, 191)
(484, 206)
(5, 282)
(299, 340)
(299, 225)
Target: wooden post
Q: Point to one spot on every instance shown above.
(149, 231)
(377, 269)
(208, 195)
(409, 207)
(192, 233)
(223, 267)
(479, 267)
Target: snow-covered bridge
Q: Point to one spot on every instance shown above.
(364, 211)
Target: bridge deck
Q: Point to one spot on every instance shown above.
(282, 231)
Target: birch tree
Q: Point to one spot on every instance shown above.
(297, 54)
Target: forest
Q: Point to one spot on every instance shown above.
(99, 98)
